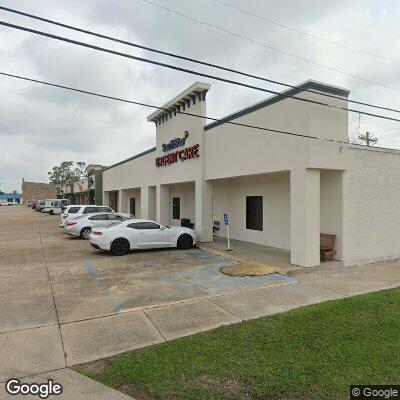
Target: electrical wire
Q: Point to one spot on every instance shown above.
(269, 46)
(149, 61)
(223, 68)
(222, 120)
(344, 46)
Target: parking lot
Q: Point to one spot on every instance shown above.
(64, 303)
(57, 292)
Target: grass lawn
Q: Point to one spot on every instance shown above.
(314, 352)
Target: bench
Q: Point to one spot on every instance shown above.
(327, 246)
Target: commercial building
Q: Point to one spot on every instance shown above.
(88, 190)
(278, 189)
(13, 197)
(37, 191)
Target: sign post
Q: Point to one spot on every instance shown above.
(226, 222)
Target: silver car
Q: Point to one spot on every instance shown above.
(83, 224)
(40, 206)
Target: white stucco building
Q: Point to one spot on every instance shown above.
(279, 190)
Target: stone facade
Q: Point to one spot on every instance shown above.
(37, 191)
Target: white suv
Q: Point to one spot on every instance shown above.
(75, 210)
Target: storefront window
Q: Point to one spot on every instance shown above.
(254, 213)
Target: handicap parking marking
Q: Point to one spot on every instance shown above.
(92, 271)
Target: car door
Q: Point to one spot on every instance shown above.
(150, 235)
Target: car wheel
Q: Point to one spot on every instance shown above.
(185, 242)
(85, 233)
(120, 247)
(51, 212)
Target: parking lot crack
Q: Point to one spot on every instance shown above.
(53, 297)
(155, 326)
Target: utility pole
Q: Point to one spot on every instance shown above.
(367, 138)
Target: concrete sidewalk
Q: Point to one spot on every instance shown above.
(37, 343)
(102, 337)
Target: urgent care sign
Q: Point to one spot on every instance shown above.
(180, 155)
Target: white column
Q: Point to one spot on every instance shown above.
(305, 217)
(144, 202)
(203, 203)
(162, 200)
(120, 200)
(152, 203)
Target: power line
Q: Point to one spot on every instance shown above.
(269, 46)
(149, 61)
(364, 52)
(302, 135)
(102, 36)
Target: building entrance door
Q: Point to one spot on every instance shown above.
(132, 206)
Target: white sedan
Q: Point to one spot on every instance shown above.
(81, 225)
(120, 238)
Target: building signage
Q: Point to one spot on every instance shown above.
(175, 143)
(180, 155)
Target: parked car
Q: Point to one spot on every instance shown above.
(8, 203)
(74, 210)
(83, 224)
(121, 237)
(40, 206)
(32, 203)
(53, 206)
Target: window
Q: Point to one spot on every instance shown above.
(254, 213)
(91, 210)
(115, 217)
(73, 210)
(132, 205)
(104, 209)
(144, 225)
(176, 208)
(99, 217)
(111, 224)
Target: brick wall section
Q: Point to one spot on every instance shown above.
(371, 207)
(37, 191)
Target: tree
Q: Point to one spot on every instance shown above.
(60, 175)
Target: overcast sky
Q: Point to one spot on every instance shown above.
(41, 126)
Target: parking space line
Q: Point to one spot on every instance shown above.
(106, 293)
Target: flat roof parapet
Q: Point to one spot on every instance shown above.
(194, 93)
(310, 85)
